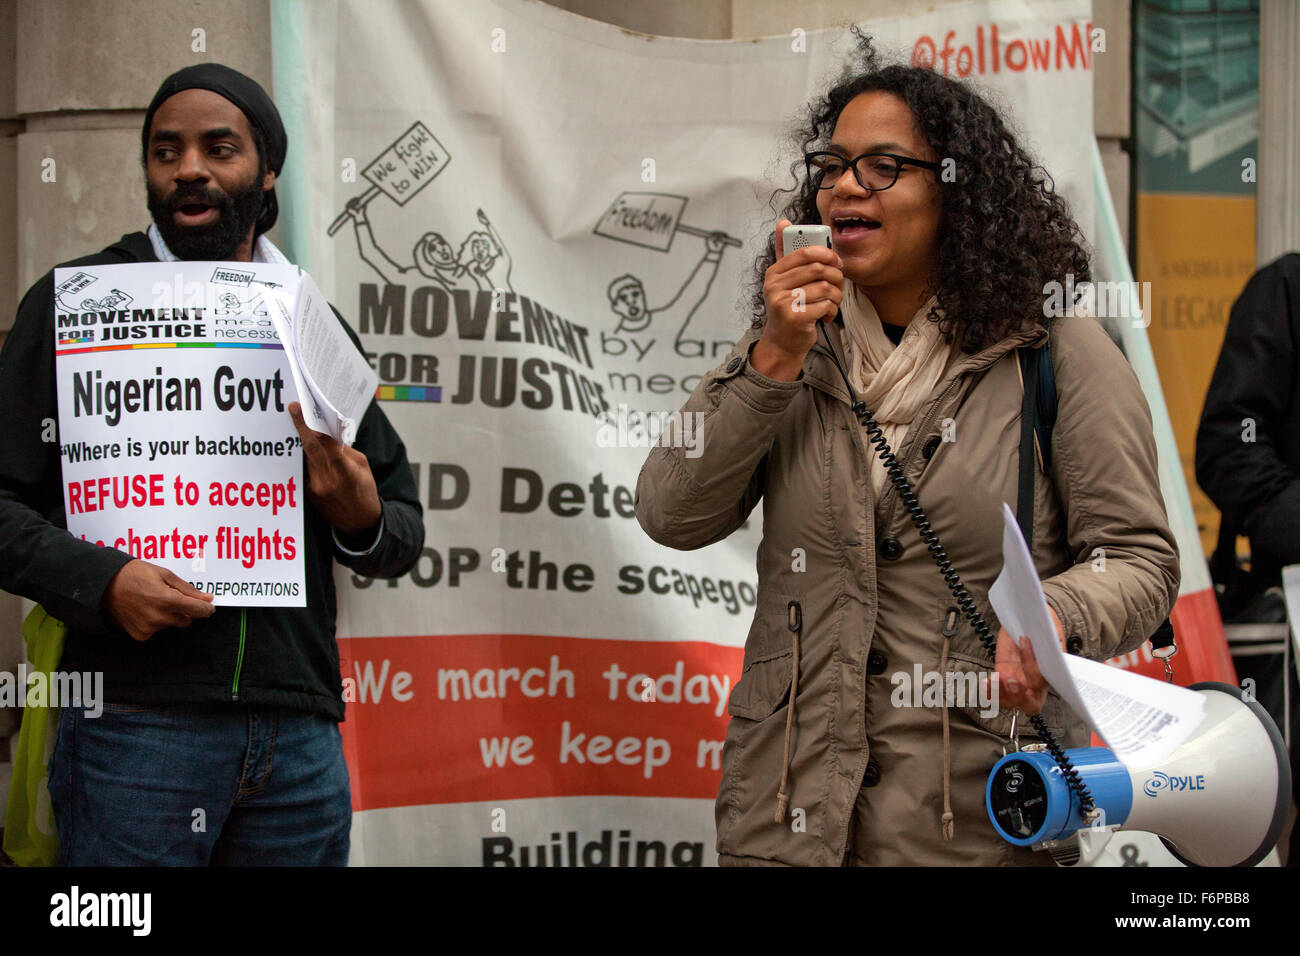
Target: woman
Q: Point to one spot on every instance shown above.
(934, 284)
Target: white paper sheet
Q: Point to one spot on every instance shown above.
(1140, 719)
(334, 378)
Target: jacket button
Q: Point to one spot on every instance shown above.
(1074, 644)
(876, 663)
(733, 365)
(872, 776)
(890, 549)
(931, 447)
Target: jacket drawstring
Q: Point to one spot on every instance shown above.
(947, 819)
(950, 621)
(795, 623)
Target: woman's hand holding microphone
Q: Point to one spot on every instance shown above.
(800, 289)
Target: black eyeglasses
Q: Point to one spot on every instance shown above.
(873, 171)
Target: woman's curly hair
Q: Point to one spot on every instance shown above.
(1003, 230)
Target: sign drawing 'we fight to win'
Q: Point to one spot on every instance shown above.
(175, 437)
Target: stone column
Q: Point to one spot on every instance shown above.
(1277, 219)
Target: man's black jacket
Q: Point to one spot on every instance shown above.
(289, 656)
(1248, 442)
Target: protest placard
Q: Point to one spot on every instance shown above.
(405, 167)
(174, 431)
(408, 164)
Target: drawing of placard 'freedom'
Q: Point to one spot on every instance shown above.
(408, 165)
(653, 220)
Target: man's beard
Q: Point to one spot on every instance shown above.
(217, 240)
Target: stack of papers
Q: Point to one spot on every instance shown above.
(334, 380)
(1140, 719)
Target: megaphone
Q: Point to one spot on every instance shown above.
(1220, 799)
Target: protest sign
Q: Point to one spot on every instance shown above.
(408, 165)
(174, 432)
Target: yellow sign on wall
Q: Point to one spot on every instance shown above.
(1197, 252)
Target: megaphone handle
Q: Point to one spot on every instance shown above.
(1164, 655)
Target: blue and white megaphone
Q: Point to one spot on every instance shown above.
(1221, 799)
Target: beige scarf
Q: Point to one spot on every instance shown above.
(894, 382)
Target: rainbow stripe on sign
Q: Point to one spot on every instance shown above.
(174, 345)
(75, 339)
(409, 393)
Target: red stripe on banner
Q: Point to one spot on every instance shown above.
(473, 717)
(477, 717)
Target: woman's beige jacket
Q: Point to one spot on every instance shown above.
(873, 603)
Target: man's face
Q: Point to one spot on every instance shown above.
(204, 177)
(630, 302)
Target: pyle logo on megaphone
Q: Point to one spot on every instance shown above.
(1163, 781)
(1016, 778)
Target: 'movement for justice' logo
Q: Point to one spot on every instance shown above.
(465, 291)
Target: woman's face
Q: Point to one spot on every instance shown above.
(897, 244)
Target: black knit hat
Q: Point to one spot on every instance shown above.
(252, 101)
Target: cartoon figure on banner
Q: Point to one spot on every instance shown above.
(478, 269)
(115, 299)
(404, 168)
(481, 254)
(432, 257)
(652, 220)
(400, 171)
(229, 303)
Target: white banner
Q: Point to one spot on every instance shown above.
(537, 222)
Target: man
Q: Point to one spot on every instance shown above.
(218, 742)
(1248, 463)
(1247, 455)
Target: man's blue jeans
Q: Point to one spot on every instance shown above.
(199, 785)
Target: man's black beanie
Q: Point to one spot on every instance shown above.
(252, 101)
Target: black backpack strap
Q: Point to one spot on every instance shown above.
(1045, 403)
(1037, 419)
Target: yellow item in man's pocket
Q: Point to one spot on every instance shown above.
(30, 837)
